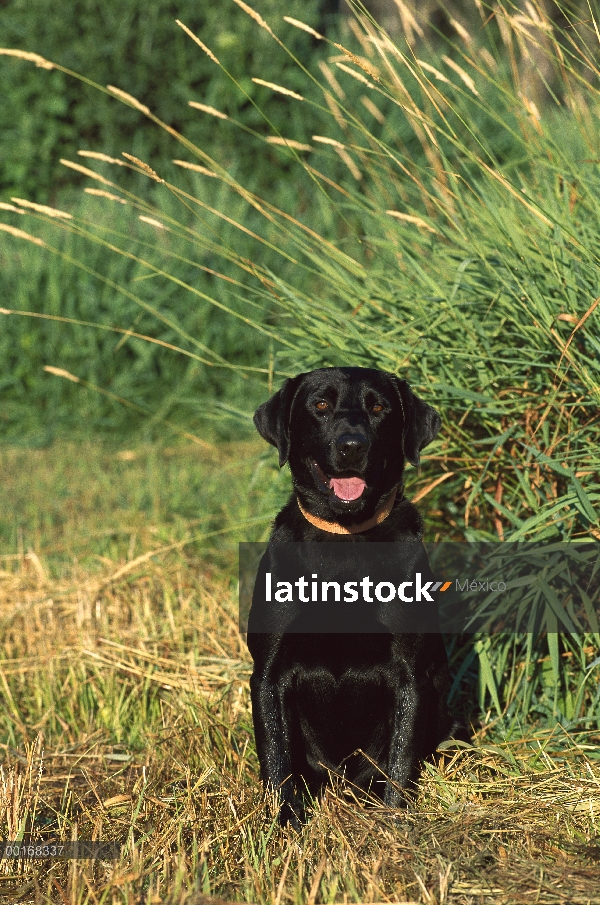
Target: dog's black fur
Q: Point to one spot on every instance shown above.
(319, 700)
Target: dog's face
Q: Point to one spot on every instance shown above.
(346, 433)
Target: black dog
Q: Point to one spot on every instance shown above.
(368, 706)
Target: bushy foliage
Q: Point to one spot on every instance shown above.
(46, 115)
(138, 47)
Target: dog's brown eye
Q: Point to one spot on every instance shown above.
(377, 408)
(322, 406)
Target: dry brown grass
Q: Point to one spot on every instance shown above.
(125, 716)
(137, 688)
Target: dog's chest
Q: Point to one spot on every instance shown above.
(336, 707)
(320, 689)
(330, 673)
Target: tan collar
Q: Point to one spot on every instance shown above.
(335, 528)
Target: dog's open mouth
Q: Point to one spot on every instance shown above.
(345, 489)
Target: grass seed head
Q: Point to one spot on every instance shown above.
(461, 30)
(10, 207)
(100, 193)
(288, 143)
(43, 209)
(326, 70)
(27, 55)
(279, 89)
(144, 167)
(86, 172)
(345, 157)
(96, 155)
(60, 372)
(361, 62)
(325, 140)
(196, 167)
(254, 15)
(356, 75)
(21, 234)
(410, 218)
(462, 74)
(435, 72)
(152, 222)
(132, 101)
(202, 46)
(373, 109)
(205, 108)
(410, 24)
(302, 25)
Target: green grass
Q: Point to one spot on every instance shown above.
(47, 115)
(459, 248)
(481, 285)
(88, 500)
(112, 291)
(126, 716)
(482, 288)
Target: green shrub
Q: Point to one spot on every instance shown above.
(44, 115)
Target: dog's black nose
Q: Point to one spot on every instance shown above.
(352, 445)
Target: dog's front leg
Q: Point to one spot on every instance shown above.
(403, 761)
(273, 746)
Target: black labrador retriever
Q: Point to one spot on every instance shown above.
(366, 706)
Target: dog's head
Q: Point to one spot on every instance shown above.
(346, 433)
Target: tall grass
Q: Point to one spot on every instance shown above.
(185, 384)
(461, 250)
(126, 717)
(138, 689)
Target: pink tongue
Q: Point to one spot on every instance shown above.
(347, 488)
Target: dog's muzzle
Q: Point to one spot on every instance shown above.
(351, 447)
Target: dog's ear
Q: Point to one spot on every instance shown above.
(272, 418)
(421, 422)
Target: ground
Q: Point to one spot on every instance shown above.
(125, 716)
